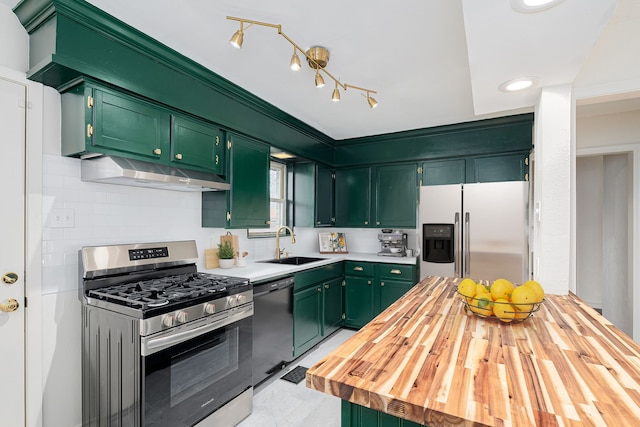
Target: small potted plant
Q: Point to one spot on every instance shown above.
(226, 254)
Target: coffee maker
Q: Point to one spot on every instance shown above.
(392, 243)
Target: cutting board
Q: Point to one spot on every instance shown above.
(211, 259)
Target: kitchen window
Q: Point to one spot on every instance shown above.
(278, 201)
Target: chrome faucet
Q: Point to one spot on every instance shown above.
(293, 239)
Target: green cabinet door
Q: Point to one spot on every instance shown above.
(442, 172)
(324, 210)
(129, 126)
(196, 144)
(353, 415)
(391, 291)
(332, 305)
(313, 195)
(353, 197)
(307, 319)
(396, 196)
(358, 301)
(508, 167)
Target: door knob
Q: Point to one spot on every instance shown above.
(9, 278)
(9, 306)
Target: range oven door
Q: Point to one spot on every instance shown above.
(188, 375)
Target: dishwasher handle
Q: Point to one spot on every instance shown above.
(272, 286)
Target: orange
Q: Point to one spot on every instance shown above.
(501, 288)
(523, 297)
(480, 288)
(537, 289)
(467, 287)
(503, 310)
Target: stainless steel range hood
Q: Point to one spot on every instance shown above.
(118, 170)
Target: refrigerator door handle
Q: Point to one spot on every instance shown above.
(467, 241)
(456, 239)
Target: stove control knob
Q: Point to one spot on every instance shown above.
(231, 302)
(168, 320)
(241, 299)
(182, 316)
(209, 308)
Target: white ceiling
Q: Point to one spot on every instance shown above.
(432, 62)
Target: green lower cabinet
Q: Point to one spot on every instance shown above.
(307, 315)
(358, 416)
(372, 287)
(318, 308)
(358, 301)
(333, 306)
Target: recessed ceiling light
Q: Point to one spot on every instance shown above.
(528, 6)
(520, 83)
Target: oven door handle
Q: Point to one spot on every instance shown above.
(155, 344)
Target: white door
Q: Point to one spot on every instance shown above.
(12, 266)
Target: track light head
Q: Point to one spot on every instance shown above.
(237, 38)
(372, 102)
(319, 80)
(335, 96)
(295, 61)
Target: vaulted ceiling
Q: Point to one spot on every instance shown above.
(431, 62)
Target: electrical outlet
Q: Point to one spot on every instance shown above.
(62, 218)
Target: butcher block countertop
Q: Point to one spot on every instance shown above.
(426, 360)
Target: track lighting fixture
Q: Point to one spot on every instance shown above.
(319, 80)
(317, 58)
(237, 38)
(335, 96)
(372, 102)
(295, 61)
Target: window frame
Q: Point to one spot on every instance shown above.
(271, 232)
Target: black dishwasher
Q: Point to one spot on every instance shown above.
(272, 327)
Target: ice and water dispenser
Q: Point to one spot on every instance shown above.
(438, 243)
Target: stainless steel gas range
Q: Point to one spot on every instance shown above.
(163, 344)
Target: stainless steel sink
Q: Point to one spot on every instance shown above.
(294, 260)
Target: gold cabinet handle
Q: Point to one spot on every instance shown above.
(326, 286)
(394, 271)
(366, 223)
(217, 140)
(89, 130)
(9, 306)
(157, 151)
(89, 101)
(179, 156)
(319, 289)
(9, 278)
(368, 282)
(381, 283)
(358, 268)
(377, 222)
(217, 159)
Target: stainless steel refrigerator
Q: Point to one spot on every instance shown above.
(475, 230)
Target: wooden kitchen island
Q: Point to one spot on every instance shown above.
(426, 360)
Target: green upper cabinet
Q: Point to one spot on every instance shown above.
(313, 195)
(101, 120)
(441, 172)
(197, 143)
(353, 197)
(506, 167)
(503, 167)
(396, 196)
(382, 196)
(246, 205)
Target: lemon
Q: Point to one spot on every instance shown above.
(503, 310)
(523, 297)
(537, 289)
(481, 304)
(501, 289)
(480, 288)
(467, 287)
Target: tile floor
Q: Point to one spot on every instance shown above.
(280, 403)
